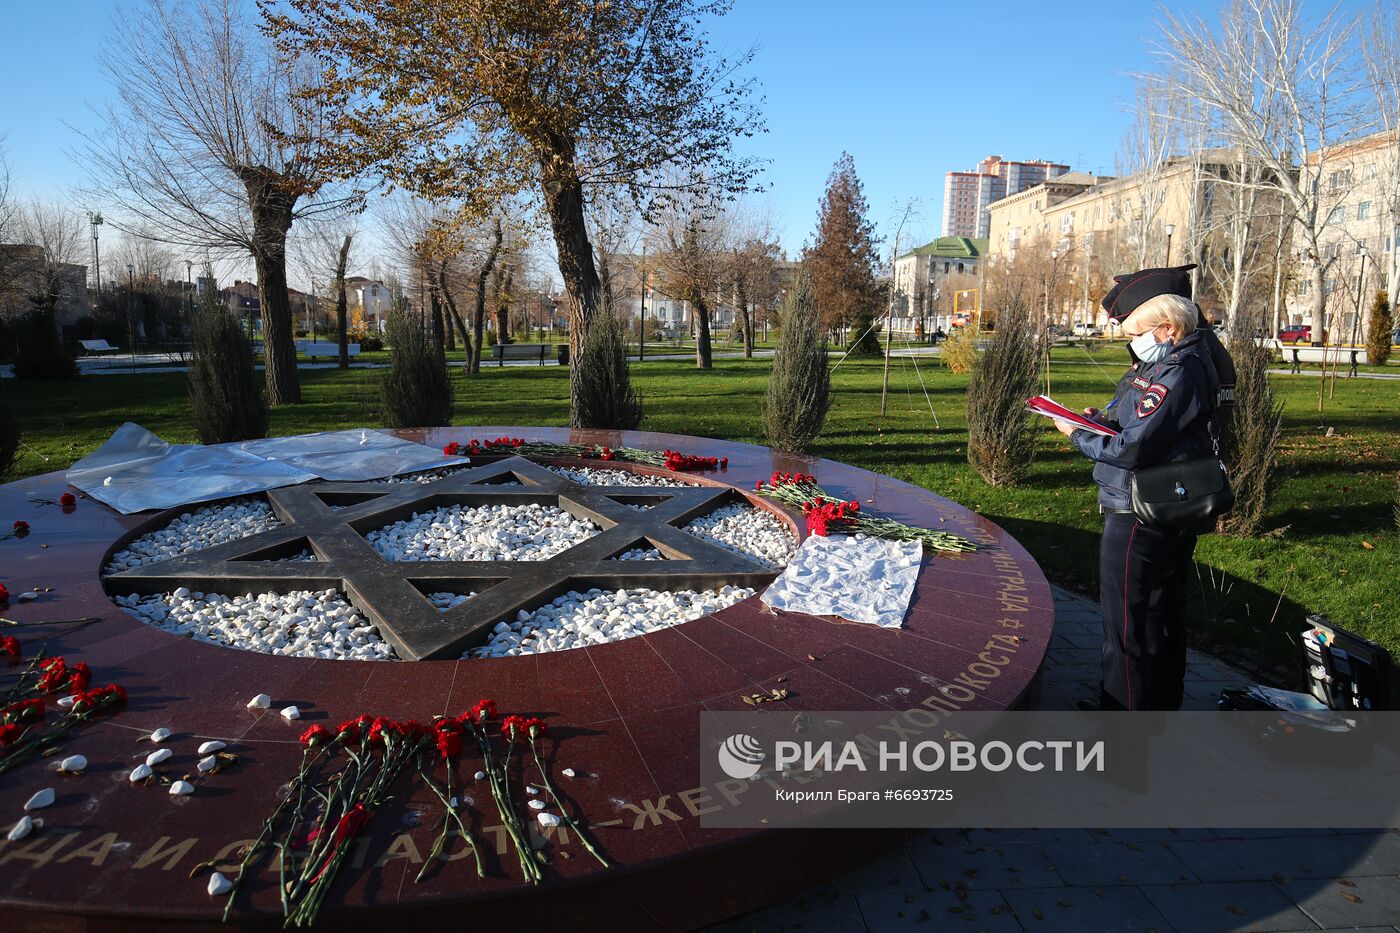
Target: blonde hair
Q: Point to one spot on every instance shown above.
(1178, 312)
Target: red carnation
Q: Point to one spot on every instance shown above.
(79, 678)
(452, 449)
(67, 500)
(4, 595)
(9, 648)
(480, 712)
(316, 735)
(9, 733)
(352, 728)
(21, 527)
(449, 744)
(55, 674)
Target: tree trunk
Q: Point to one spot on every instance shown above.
(1319, 303)
(503, 308)
(479, 312)
(701, 312)
(342, 306)
(748, 331)
(271, 207)
(439, 331)
(563, 197)
(455, 318)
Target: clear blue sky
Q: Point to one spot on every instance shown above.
(912, 88)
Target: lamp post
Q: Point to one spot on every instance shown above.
(95, 221)
(131, 312)
(642, 333)
(1360, 280)
(1170, 228)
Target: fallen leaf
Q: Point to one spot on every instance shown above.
(1368, 545)
(1349, 896)
(1344, 882)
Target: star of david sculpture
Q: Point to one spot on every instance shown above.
(332, 519)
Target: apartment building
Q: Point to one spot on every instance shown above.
(968, 195)
(1358, 244)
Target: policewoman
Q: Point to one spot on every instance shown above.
(1162, 411)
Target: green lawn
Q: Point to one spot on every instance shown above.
(1336, 495)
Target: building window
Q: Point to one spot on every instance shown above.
(1339, 180)
(1336, 215)
(1360, 246)
(1328, 285)
(1387, 244)
(1363, 210)
(1371, 172)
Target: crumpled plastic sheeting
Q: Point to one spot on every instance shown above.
(856, 577)
(136, 470)
(350, 456)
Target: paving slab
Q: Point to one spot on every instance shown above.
(1347, 902)
(1235, 907)
(1079, 910)
(931, 911)
(1297, 856)
(835, 913)
(983, 867)
(1108, 863)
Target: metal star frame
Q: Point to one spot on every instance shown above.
(332, 519)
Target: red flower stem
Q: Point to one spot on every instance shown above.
(569, 821)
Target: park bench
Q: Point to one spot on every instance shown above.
(1334, 355)
(96, 346)
(519, 351)
(315, 350)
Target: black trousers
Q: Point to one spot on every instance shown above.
(1142, 597)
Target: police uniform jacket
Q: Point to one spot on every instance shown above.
(1163, 414)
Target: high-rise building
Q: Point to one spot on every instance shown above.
(967, 195)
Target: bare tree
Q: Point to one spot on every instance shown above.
(195, 151)
(753, 271)
(692, 247)
(1144, 154)
(1382, 55)
(1284, 88)
(325, 257)
(51, 262)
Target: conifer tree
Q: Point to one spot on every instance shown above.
(843, 260)
(1379, 335)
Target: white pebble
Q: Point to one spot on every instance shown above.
(181, 789)
(218, 884)
(261, 701)
(567, 772)
(140, 773)
(209, 748)
(531, 789)
(23, 828)
(26, 597)
(73, 764)
(206, 764)
(548, 820)
(159, 756)
(536, 804)
(480, 775)
(160, 735)
(66, 702)
(290, 713)
(40, 800)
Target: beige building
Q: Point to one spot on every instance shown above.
(922, 274)
(1089, 228)
(1358, 238)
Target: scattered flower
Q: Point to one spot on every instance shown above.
(261, 701)
(21, 527)
(181, 789)
(67, 500)
(40, 800)
(4, 595)
(160, 756)
(10, 648)
(140, 773)
(218, 884)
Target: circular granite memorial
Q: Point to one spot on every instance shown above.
(623, 715)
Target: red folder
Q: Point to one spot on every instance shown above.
(1050, 408)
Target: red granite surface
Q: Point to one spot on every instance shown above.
(114, 856)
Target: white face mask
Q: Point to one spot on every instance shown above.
(1148, 349)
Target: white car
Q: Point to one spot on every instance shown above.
(1087, 330)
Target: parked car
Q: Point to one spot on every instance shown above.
(1295, 333)
(1082, 329)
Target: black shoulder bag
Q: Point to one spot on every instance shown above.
(1188, 495)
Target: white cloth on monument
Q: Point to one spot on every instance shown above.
(856, 577)
(136, 470)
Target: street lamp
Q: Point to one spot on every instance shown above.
(1170, 228)
(1360, 279)
(95, 221)
(131, 311)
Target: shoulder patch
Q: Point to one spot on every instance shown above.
(1141, 382)
(1151, 400)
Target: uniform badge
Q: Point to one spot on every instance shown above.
(1141, 382)
(1151, 400)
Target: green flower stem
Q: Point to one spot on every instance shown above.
(553, 795)
(449, 816)
(500, 793)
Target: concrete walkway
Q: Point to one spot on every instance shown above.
(1086, 881)
(1318, 372)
